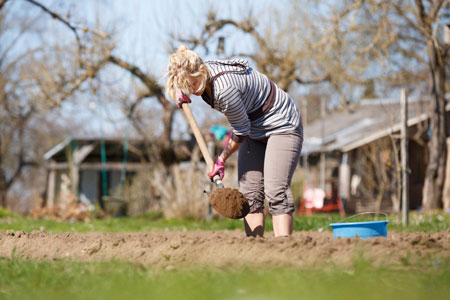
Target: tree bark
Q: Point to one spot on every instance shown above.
(166, 150)
(3, 189)
(3, 199)
(446, 191)
(435, 173)
(2, 3)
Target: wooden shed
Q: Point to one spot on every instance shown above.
(335, 146)
(91, 169)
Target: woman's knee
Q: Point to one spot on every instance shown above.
(280, 200)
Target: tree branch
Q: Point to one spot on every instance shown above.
(2, 3)
(165, 149)
(133, 106)
(422, 16)
(214, 25)
(149, 81)
(435, 10)
(314, 80)
(408, 20)
(59, 18)
(73, 28)
(21, 155)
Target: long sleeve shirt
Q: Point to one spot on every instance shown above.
(239, 90)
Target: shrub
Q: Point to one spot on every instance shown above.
(4, 212)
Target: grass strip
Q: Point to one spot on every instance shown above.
(319, 222)
(25, 279)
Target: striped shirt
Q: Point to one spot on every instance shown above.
(243, 91)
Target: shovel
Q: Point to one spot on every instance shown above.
(228, 202)
(201, 143)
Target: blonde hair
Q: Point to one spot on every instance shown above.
(185, 64)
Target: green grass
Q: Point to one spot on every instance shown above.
(426, 278)
(136, 224)
(418, 222)
(24, 279)
(4, 212)
(319, 222)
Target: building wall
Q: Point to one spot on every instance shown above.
(358, 202)
(89, 185)
(114, 182)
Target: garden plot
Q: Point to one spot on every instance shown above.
(174, 249)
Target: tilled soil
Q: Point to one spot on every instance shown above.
(224, 248)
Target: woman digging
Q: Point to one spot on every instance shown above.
(267, 130)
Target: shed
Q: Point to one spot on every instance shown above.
(91, 168)
(342, 135)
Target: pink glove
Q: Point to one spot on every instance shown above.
(181, 98)
(218, 168)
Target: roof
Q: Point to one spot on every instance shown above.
(114, 148)
(372, 119)
(89, 150)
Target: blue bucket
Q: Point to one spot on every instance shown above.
(363, 230)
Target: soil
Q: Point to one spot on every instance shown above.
(231, 249)
(229, 203)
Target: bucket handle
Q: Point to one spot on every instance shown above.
(366, 213)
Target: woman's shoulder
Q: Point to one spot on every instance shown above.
(228, 62)
(219, 68)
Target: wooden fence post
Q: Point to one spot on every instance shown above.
(404, 156)
(322, 153)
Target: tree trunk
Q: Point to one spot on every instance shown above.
(379, 199)
(166, 150)
(446, 191)
(2, 198)
(3, 188)
(435, 173)
(2, 3)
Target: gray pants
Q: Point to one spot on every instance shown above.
(265, 169)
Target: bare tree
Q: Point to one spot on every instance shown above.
(417, 51)
(349, 48)
(57, 73)
(427, 15)
(332, 47)
(352, 44)
(35, 81)
(379, 164)
(152, 89)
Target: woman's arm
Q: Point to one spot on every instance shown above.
(229, 149)
(219, 164)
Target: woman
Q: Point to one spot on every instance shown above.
(267, 130)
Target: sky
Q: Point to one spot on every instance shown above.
(146, 24)
(141, 30)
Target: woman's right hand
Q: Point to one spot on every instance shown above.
(218, 169)
(181, 98)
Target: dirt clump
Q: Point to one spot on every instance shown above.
(229, 203)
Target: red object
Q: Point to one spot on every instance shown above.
(182, 98)
(331, 202)
(218, 168)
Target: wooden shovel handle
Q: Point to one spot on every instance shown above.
(201, 142)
